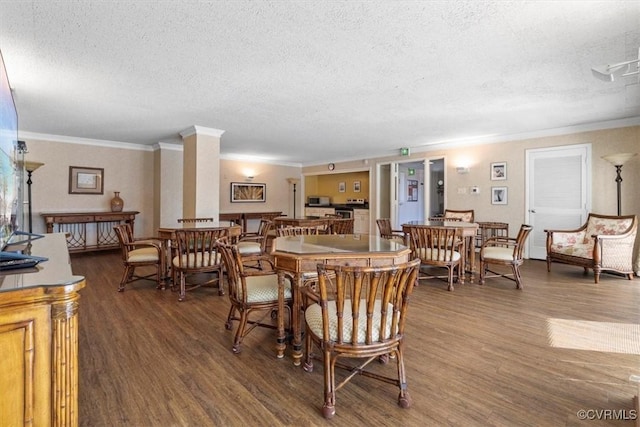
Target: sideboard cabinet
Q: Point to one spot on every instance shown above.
(39, 339)
(88, 231)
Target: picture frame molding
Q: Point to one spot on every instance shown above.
(499, 195)
(498, 171)
(248, 192)
(86, 180)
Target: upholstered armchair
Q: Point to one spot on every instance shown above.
(603, 243)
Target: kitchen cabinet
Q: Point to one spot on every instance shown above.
(361, 221)
(316, 211)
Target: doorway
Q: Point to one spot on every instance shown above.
(558, 188)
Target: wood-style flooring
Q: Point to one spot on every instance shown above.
(477, 356)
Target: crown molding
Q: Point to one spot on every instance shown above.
(200, 130)
(82, 141)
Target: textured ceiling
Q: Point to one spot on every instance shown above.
(317, 81)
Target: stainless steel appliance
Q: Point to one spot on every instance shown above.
(344, 212)
(318, 201)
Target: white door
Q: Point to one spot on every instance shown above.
(558, 192)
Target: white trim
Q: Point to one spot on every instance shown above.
(83, 141)
(201, 130)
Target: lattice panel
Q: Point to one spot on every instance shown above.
(106, 234)
(76, 235)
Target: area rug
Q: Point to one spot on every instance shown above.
(594, 336)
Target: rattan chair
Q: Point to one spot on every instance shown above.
(438, 246)
(255, 243)
(196, 253)
(459, 215)
(359, 313)
(250, 291)
(387, 232)
(297, 231)
(138, 253)
(187, 220)
(341, 226)
(505, 251)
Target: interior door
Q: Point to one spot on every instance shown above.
(558, 192)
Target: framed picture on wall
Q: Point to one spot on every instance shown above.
(499, 195)
(86, 180)
(412, 190)
(356, 186)
(244, 192)
(342, 187)
(498, 171)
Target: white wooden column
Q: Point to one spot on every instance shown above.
(201, 172)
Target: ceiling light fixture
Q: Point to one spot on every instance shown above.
(608, 73)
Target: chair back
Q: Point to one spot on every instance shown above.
(521, 238)
(436, 245)
(384, 226)
(297, 231)
(341, 226)
(463, 215)
(364, 306)
(187, 220)
(196, 249)
(266, 225)
(125, 238)
(232, 260)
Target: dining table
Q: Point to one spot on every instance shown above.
(167, 234)
(320, 222)
(297, 256)
(469, 231)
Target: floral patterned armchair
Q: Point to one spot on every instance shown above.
(603, 243)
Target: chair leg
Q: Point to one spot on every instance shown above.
(308, 363)
(450, 269)
(329, 407)
(404, 400)
(483, 272)
(183, 287)
(516, 276)
(228, 323)
(159, 277)
(237, 342)
(128, 270)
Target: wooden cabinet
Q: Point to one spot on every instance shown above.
(88, 231)
(361, 221)
(39, 340)
(316, 211)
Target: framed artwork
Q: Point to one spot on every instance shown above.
(498, 171)
(499, 195)
(356, 186)
(342, 186)
(242, 192)
(84, 180)
(412, 190)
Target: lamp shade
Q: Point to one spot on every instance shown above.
(619, 159)
(32, 166)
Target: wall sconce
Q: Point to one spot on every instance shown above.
(462, 169)
(249, 178)
(618, 160)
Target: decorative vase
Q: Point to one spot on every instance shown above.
(117, 203)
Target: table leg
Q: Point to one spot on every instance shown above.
(295, 318)
(472, 258)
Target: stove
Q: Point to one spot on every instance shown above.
(356, 202)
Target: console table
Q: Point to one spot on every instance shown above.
(74, 225)
(39, 338)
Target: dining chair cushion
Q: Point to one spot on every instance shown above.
(264, 288)
(582, 250)
(425, 253)
(493, 252)
(142, 255)
(197, 261)
(313, 315)
(249, 248)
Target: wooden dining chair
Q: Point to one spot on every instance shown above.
(504, 251)
(297, 231)
(438, 246)
(196, 253)
(359, 313)
(459, 215)
(387, 232)
(250, 291)
(341, 226)
(139, 253)
(187, 220)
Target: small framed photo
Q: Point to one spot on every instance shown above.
(356, 186)
(342, 187)
(243, 192)
(83, 180)
(499, 195)
(499, 171)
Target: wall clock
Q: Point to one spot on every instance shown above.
(331, 166)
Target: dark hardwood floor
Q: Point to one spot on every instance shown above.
(478, 356)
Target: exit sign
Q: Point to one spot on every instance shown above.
(404, 151)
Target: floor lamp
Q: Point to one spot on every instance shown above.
(295, 182)
(30, 167)
(618, 160)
